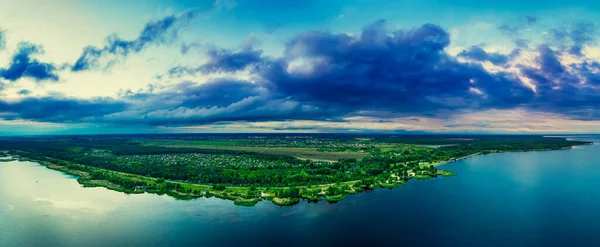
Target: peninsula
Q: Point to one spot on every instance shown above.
(249, 168)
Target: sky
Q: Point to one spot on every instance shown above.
(350, 66)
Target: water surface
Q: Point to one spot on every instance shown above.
(546, 198)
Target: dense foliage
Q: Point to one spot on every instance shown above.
(388, 155)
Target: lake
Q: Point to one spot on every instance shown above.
(548, 198)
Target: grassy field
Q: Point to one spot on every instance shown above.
(300, 153)
(175, 142)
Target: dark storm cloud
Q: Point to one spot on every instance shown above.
(477, 53)
(154, 33)
(548, 60)
(329, 76)
(219, 100)
(572, 91)
(402, 71)
(216, 93)
(405, 72)
(589, 71)
(51, 109)
(223, 60)
(22, 64)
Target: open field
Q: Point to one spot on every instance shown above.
(300, 153)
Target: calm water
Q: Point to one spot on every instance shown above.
(514, 199)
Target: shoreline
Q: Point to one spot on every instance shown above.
(242, 195)
(239, 195)
(516, 151)
(457, 159)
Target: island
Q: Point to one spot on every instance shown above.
(249, 168)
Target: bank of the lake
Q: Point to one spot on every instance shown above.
(241, 196)
(506, 199)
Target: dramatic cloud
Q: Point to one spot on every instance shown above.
(22, 64)
(350, 79)
(477, 53)
(405, 71)
(49, 109)
(154, 33)
(230, 61)
(573, 90)
(220, 100)
(331, 76)
(222, 60)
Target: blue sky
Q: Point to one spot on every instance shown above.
(155, 66)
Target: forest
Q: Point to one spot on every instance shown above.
(159, 163)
